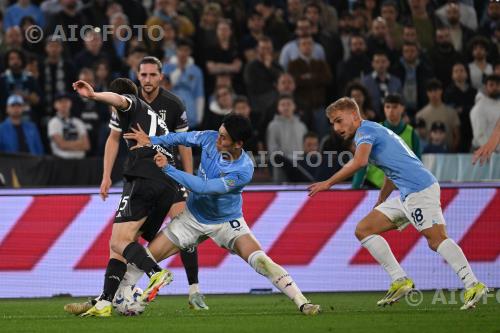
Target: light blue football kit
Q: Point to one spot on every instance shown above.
(215, 195)
(392, 155)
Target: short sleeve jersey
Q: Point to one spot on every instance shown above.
(140, 162)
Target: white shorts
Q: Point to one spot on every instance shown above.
(422, 209)
(186, 232)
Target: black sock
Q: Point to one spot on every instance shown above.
(114, 274)
(190, 262)
(136, 254)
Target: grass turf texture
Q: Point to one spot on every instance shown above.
(342, 312)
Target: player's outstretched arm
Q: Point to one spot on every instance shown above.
(188, 139)
(359, 161)
(85, 90)
(193, 183)
(484, 152)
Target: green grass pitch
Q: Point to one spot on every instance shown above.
(342, 312)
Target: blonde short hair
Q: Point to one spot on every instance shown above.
(344, 103)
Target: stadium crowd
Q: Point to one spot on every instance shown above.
(279, 63)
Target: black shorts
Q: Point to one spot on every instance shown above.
(181, 194)
(143, 197)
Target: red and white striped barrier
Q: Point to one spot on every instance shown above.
(56, 244)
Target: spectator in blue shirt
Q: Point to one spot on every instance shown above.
(187, 82)
(16, 134)
(20, 9)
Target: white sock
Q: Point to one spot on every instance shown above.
(193, 288)
(380, 250)
(132, 276)
(454, 256)
(278, 276)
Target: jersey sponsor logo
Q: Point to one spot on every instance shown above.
(230, 182)
(161, 150)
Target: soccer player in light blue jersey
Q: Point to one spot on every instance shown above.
(419, 202)
(214, 205)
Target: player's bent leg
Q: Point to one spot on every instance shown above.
(454, 256)
(249, 249)
(368, 233)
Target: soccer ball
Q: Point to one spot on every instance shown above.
(127, 301)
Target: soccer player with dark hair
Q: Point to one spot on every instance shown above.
(144, 187)
(214, 205)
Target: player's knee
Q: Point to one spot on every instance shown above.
(434, 242)
(262, 264)
(362, 231)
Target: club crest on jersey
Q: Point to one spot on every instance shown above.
(230, 182)
(163, 114)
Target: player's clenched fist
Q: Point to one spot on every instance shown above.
(161, 160)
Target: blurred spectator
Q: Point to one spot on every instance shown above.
(93, 51)
(389, 11)
(410, 35)
(15, 12)
(437, 139)
(284, 134)
(187, 82)
(479, 68)
(119, 41)
(169, 42)
(324, 33)
(274, 26)
(486, 112)
(421, 129)
(166, 11)
(310, 165)
(423, 22)
(294, 10)
(358, 92)
(95, 11)
(284, 86)
(393, 110)
(234, 10)
(492, 20)
(291, 52)
(92, 113)
(17, 81)
(206, 36)
(460, 95)
(13, 40)
(443, 56)
(255, 26)
(380, 83)
(241, 106)
(261, 75)
(459, 33)
(218, 108)
(133, 59)
(414, 73)
(27, 23)
(56, 74)
(68, 136)
(378, 40)
(437, 111)
(357, 65)
(223, 58)
(62, 22)
(311, 77)
(103, 76)
(466, 14)
(18, 135)
(323, 16)
(345, 31)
